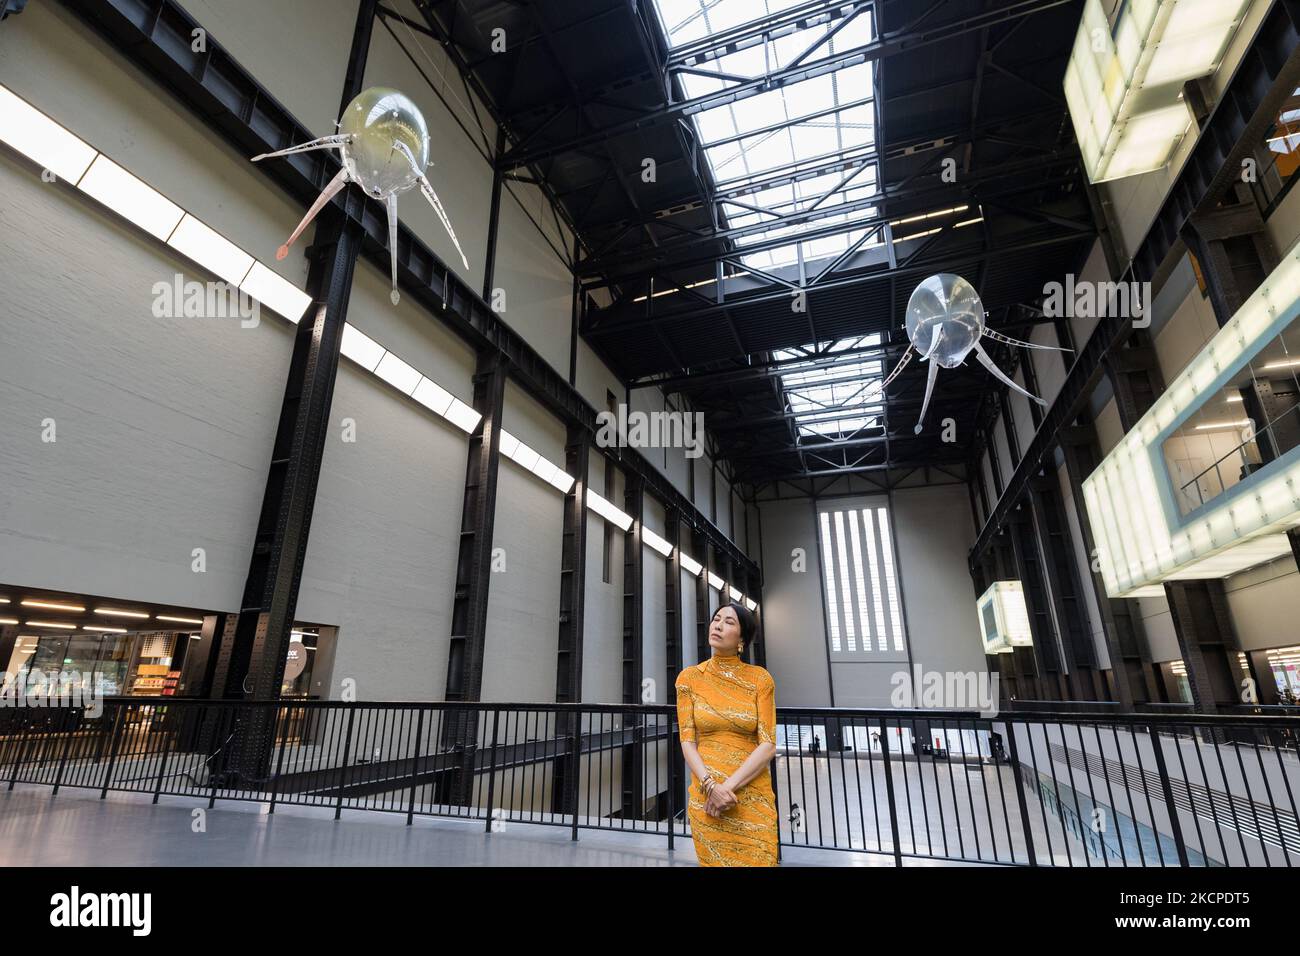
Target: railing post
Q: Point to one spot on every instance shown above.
(113, 749)
(492, 774)
(19, 753)
(889, 791)
(162, 767)
(672, 782)
(575, 748)
(347, 753)
(415, 766)
(1025, 824)
(1174, 823)
(279, 760)
(63, 757)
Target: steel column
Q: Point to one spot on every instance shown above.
(473, 574)
(252, 664)
(573, 575)
(633, 648)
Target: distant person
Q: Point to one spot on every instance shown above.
(815, 747)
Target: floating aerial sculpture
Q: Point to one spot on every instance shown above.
(945, 322)
(384, 144)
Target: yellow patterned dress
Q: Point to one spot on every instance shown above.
(727, 707)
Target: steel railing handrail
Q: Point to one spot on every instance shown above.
(941, 784)
(1142, 718)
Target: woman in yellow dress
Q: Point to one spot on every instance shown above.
(726, 711)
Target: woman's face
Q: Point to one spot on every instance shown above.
(724, 631)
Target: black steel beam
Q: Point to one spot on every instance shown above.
(466, 650)
(253, 663)
(633, 762)
(1121, 619)
(971, 190)
(596, 326)
(703, 553)
(573, 574)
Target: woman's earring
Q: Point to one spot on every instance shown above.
(741, 648)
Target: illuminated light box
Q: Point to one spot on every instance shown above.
(1004, 620)
(1208, 481)
(1124, 82)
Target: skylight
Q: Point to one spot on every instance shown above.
(835, 400)
(824, 116)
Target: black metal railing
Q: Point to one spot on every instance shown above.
(1027, 789)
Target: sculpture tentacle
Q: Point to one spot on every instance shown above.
(427, 189)
(338, 182)
(1001, 376)
(323, 142)
(391, 204)
(1008, 340)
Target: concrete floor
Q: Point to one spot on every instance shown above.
(76, 828)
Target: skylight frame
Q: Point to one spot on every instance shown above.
(815, 391)
(820, 116)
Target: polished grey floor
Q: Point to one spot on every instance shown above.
(76, 828)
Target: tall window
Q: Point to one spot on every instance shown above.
(863, 605)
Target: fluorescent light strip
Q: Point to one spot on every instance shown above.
(8, 620)
(53, 606)
(360, 347)
(117, 612)
(1208, 426)
(275, 292)
(530, 460)
(407, 379)
(751, 604)
(131, 198)
(715, 582)
(41, 139)
(607, 511)
(398, 374)
(196, 240)
(656, 542)
(56, 624)
(178, 620)
(735, 593)
(693, 567)
(98, 629)
(1289, 363)
(462, 416)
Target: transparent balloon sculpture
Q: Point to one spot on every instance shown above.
(384, 145)
(945, 323)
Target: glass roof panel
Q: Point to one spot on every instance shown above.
(837, 400)
(815, 117)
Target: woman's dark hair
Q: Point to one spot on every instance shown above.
(748, 625)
